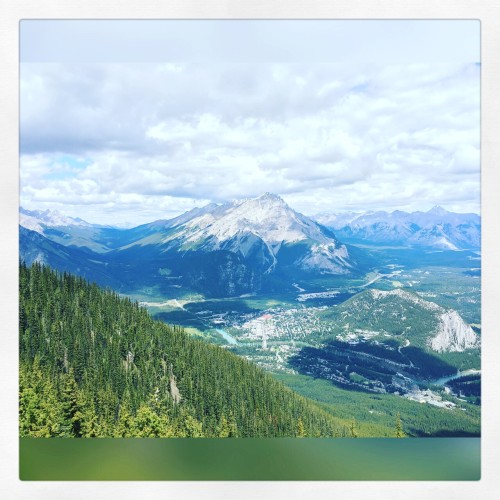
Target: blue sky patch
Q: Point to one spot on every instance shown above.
(66, 166)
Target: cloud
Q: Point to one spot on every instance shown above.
(135, 138)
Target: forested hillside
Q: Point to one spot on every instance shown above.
(93, 364)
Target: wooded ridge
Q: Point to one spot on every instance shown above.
(94, 364)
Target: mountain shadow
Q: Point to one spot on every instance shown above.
(369, 367)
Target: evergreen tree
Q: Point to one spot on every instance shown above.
(301, 431)
(223, 430)
(353, 431)
(399, 427)
(71, 426)
(125, 422)
(41, 412)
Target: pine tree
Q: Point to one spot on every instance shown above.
(301, 431)
(69, 405)
(124, 425)
(353, 431)
(146, 423)
(189, 426)
(223, 429)
(41, 412)
(399, 427)
(85, 418)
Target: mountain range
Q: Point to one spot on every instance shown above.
(234, 248)
(436, 228)
(371, 338)
(221, 250)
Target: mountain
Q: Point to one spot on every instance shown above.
(219, 250)
(405, 317)
(259, 230)
(93, 364)
(34, 247)
(389, 341)
(48, 218)
(239, 247)
(436, 228)
(69, 231)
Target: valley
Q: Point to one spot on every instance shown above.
(366, 335)
(371, 328)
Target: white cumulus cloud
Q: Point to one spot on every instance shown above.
(133, 142)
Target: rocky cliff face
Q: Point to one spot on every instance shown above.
(453, 335)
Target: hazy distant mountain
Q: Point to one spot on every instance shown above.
(437, 228)
(47, 218)
(34, 247)
(69, 231)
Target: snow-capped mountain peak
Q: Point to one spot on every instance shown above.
(437, 228)
(257, 229)
(267, 217)
(438, 211)
(271, 198)
(36, 219)
(226, 249)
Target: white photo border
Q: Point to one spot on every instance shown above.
(486, 11)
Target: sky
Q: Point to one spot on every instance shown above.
(125, 122)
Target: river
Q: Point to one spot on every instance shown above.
(229, 338)
(443, 380)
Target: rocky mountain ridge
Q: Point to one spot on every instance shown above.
(436, 228)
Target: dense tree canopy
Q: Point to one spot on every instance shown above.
(94, 364)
